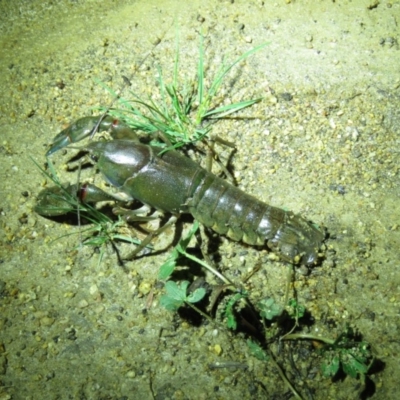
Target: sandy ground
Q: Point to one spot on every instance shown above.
(324, 143)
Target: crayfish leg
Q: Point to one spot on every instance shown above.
(212, 155)
(138, 215)
(172, 220)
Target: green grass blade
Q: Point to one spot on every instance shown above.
(176, 63)
(223, 111)
(200, 72)
(225, 69)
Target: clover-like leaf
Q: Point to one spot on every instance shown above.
(353, 367)
(175, 291)
(331, 367)
(296, 310)
(176, 295)
(169, 303)
(196, 296)
(269, 309)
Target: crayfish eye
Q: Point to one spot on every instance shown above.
(94, 157)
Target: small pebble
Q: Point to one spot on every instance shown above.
(145, 287)
(217, 349)
(131, 374)
(83, 304)
(93, 290)
(46, 321)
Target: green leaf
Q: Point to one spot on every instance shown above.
(176, 295)
(229, 310)
(331, 367)
(196, 296)
(183, 243)
(269, 309)
(230, 316)
(166, 270)
(230, 319)
(168, 267)
(296, 309)
(257, 351)
(169, 303)
(175, 291)
(353, 367)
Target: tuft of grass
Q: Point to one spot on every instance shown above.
(185, 110)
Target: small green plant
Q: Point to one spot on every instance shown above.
(176, 295)
(269, 309)
(295, 310)
(183, 112)
(349, 353)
